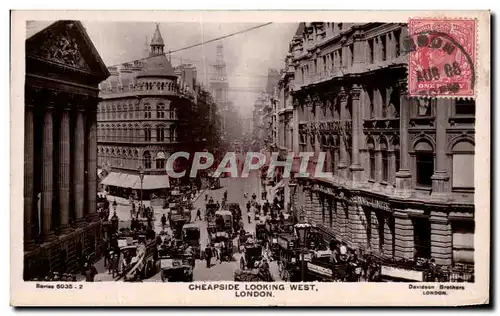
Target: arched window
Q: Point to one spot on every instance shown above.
(131, 111)
(160, 133)
(160, 110)
(397, 156)
(137, 111)
(130, 131)
(114, 111)
(173, 133)
(160, 160)
(463, 165)
(371, 158)
(173, 114)
(147, 133)
(118, 111)
(147, 111)
(424, 155)
(137, 132)
(147, 159)
(385, 159)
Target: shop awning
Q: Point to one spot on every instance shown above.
(113, 179)
(152, 182)
(123, 180)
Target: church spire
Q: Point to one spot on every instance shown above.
(157, 43)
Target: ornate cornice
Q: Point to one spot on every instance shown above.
(355, 93)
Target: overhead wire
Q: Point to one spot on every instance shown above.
(202, 42)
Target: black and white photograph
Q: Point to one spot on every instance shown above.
(308, 152)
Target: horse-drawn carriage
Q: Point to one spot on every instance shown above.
(175, 265)
(224, 242)
(235, 210)
(191, 237)
(253, 253)
(138, 257)
(288, 257)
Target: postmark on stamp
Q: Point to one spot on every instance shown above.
(441, 57)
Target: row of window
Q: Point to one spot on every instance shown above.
(381, 233)
(380, 48)
(382, 163)
(144, 86)
(130, 158)
(163, 133)
(161, 113)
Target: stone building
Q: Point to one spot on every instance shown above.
(63, 70)
(263, 113)
(402, 182)
(148, 111)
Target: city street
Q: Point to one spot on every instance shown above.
(236, 188)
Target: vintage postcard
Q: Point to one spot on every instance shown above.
(250, 158)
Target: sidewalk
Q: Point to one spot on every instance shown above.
(124, 201)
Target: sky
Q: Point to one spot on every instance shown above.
(248, 56)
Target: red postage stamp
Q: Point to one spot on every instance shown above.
(441, 57)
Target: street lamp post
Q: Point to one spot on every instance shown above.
(141, 176)
(302, 230)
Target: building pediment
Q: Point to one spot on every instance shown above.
(65, 45)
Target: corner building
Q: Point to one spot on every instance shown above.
(63, 70)
(149, 110)
(403, 168)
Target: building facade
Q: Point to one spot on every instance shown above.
(402, 184)
(148, 111)
(264, 126)
(63, 70)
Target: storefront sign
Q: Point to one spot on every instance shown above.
(319, 270)
(307, 257)
(402, 273)
(360, 200)
(283, 243)
(371, 202)
(323, 189)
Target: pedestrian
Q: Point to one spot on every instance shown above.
(222, 250)
(206, 197)
(208, 255)
(198, 215)
(90, 272)
(163, 221)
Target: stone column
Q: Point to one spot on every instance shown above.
(440, 177)
(342, 166)
(318, 209)
(388, 236)
(64, 169)
(403, 175)
(357, 224)
(378, 166)
(79, 167)
(286, 189)
(441, 238)
(356, 168)
(342, 219)
(295, 130)
(374, 227)
(92, 164)
(28, 177)
(48, 174)
(392, 166)
(404, 238)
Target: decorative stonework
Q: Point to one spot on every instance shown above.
(61, 48)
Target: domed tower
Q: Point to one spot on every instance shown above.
(157, 43)
(157, 73)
